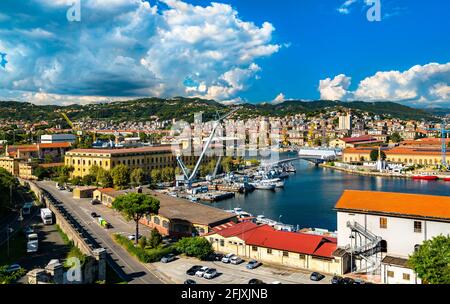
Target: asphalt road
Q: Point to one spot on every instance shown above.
(131, 269)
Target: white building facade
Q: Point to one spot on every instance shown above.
(381, 230)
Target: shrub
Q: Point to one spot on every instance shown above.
(143, 255)
(195, 247)
(155, 238)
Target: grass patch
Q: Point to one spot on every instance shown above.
(144, 255)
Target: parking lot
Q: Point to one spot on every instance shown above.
(235, 274)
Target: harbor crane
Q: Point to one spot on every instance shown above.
(190, 176)
(444, 133)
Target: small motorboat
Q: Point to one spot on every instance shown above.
(428, 177)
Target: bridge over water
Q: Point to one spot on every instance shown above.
(314, 155)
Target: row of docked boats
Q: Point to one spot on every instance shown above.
(270, 179)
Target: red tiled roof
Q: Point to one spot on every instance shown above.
(267, 237)
(364, 138)
(309, 244)
(55, 145)
(235, 229)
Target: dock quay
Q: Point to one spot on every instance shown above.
(215, 196)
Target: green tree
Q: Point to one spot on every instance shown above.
(104, 178)
(431, 261)
(121, 176)
(94, 170)
(155, 238)
(143, 242)
(137, 177)
(41, 173)
(168, 174)
(198, 247)
(134, 206)
(227, 164)
(7, 182)
(395, 137)
(374, 155)
(89, 180)
(155, 176)
(64, 174)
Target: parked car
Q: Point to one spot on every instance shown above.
(190, 282)
(191, 271)
(201, 271)
(95, 202)
(337, 280)
(235, 260)
(359, 282)
(13, 268)
(94, 215)
(315, 276)
(215, 257)
(348, 281)
(168, 258)
(28, 230)
(253, 264)
(209, 274)
(132, 237)
(227, 258)
(276, 282)
(256, 281)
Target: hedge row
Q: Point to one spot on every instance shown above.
(144, 255)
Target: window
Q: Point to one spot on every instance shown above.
(286, 254)
(301, 256)
(165, 224)
(269, 251)
(390, 274)
(406, 276)
(416, 248)
(383, 222)
(254, 248)
(156, 220)
(417, 226)
(222, 243)
(211, 240)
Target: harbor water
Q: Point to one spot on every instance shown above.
(309, 195)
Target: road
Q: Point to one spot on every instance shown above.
(13, 221)
(237, 274)
(131, 269)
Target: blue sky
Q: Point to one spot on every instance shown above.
(231, 51)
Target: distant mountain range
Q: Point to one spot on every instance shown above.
(184, 108)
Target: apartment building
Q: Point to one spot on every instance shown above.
(381, 230)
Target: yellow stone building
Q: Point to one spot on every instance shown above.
(407, 156)
(146, 158)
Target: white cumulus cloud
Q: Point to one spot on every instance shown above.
(134, 48)
(426, 85)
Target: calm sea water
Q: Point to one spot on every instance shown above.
(309, 196)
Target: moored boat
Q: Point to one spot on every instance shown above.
(427, 177)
